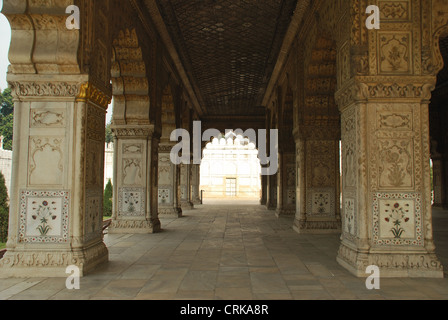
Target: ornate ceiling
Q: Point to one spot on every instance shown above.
(228, 48)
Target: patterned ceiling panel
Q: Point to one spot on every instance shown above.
(228, 48)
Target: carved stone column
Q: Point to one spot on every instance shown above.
(169, 184)
(57, 179)
(386, 207)
(264, 189)
(196, 176)
(437, 169)
(135, 203)
(286, 184)
(300, 216)
(185, 186)
(445, 182)
(318, 157)
(271, 200)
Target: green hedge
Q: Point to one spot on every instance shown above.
(4, 210)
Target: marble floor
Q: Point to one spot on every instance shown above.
(229, 251)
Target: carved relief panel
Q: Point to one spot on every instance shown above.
(166, 180)
(47, 146)
(132, 169)
(46, 160)
(93, 220)
(321, 163)
(47, 118)
(396, 153)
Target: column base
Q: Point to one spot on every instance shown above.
(186, 205)
(391, 264)
(285, 212)
(52, 262)
(170, 212)
(197, 201)
(317, 226)
(271, 206)
(134, 226)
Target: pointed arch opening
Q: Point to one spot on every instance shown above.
(230, 170)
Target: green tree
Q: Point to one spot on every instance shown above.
(107, 200)
(6, 103)
(6, 118)
(4, 209)
(6, 130)
(109, 136)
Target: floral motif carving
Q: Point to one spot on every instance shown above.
(394, 53)
(397, 219)
(164, 196)
(397, 10)
(46, 156)
(395, 167)
(132, 171)
(131, 202)
(132, 148)
(47, 118)
(349, 215)
(395, 121)
(94, 215)
(44, 216)
(41, 89)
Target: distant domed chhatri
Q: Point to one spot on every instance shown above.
(230, 139)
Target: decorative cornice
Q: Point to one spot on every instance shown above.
(22, 89)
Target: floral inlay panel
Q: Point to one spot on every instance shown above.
(131, 202)
(321, 202)
(349, 216)
(44, 216)
(397, 219)
(164, 196)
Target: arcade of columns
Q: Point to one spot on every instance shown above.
(334, 81)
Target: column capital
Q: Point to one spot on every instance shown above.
(325, 131)
(132, 132)
(55, 87)
(366, 88)
(89, 92)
